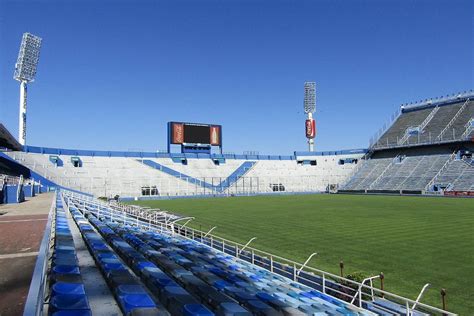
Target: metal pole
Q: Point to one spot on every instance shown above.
(425, 287)
(443, 298)
(306, 262)
(248, 243)
(22, 114)
(382, 277)
(210, 230)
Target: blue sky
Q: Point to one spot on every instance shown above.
(112, 73)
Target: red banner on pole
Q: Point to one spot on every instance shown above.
(310, 128)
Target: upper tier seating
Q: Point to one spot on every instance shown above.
(399, 127)
(447, 124)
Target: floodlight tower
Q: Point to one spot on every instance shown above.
(25, 71)
(309, 108)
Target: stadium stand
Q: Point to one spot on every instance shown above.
(419, 152)
(162, 268)
(140, 174)
(430, 122)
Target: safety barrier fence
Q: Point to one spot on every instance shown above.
(36, 295)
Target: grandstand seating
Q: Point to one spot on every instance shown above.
(413, 173)
(67, 289)
(447, 124)
(125, 176)
(458, 176)
(152, 273)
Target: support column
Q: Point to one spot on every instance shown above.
(22, 114)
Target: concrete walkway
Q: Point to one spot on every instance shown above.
(21, 230)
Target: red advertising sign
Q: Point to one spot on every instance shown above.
(214, 137)
(310, 128)
(459, 193)
(177, 132)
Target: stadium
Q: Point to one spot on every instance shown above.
(195, 229)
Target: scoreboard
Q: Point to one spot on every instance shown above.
(189, 134)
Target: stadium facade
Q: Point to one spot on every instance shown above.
(426, 149)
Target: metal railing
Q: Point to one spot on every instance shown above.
(338, 287)
(445, 165)
(461, 109)
(36, 294)
(469, 128)
(425, 122)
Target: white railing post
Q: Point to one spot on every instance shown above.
(425, 287)
(210, 230)
(324, 283)
(306, 262)
(248, 243)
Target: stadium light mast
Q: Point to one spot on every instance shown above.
(309, 108)
(25, 72)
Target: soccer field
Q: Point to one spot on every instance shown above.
(413, 240)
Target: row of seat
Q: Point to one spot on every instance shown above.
(174, 297)
(67, 293)
(130, 294)
(213, 278)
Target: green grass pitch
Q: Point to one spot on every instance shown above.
(413, 240)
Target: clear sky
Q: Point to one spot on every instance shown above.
(112, 73)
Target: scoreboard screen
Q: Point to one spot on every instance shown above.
(194, 133)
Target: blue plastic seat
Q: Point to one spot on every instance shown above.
(113, 266)
(132, 301)
(125, 289)
(66, 269)
(63, 288)
(69, 302)
(232, 309)
(84, 312)
(196, 310)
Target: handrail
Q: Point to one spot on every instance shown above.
(451, 158)
(332, 284)
(210, 230)
(451, 122)
(359, 290)
(246, 245)
(421, 126)
(425, 287)
(35, 298)
(469, 128)
(306, 262)
(381, 174)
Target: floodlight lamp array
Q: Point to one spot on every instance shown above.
(309, 97)
(28, 57)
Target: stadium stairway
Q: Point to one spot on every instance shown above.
(225, 184)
